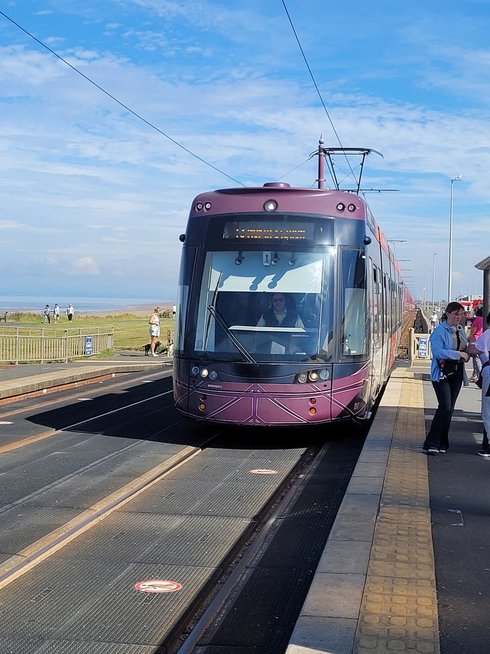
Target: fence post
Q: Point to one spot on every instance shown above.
(65, 346)
(17, 346)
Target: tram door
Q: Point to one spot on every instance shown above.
(375, 303)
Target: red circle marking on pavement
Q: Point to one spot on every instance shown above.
(263, 471)
(158, 586)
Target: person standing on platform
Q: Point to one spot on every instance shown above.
(481, 348)
(56, 313)
(70, 312)
(154, 330)
(476, 331)
(433, 321)
(448, 344)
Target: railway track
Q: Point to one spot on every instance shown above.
(201, 511)
(404, 344)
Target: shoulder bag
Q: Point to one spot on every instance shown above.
(449, 367)
(479, 381)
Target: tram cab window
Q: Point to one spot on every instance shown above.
(240, 297)
(354, 337)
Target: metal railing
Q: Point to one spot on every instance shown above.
(26, 345)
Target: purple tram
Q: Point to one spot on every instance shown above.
(289, 307)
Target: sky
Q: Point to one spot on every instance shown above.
(98, 174)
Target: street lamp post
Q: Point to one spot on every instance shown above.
(450, 258)
(433, 277)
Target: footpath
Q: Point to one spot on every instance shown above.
(23, 380)
(407, 565)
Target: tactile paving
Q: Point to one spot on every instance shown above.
(399, 604)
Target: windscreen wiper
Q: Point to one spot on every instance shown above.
(222, 323)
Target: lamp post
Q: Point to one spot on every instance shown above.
(433, 277)
(450, 258)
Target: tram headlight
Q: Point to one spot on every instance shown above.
(340, 206)
(204, 373)
(207, 206)
(213, 375)
(270, 205)
(302, 377)
(351, 207)
(195, 371)
(313, 375)
(324, 373)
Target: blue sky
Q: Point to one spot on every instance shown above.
(93, 199)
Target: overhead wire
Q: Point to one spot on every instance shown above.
(315, 84)
(121, 104)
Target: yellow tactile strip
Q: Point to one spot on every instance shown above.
(399, 603)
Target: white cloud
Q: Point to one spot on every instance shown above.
(84, 266)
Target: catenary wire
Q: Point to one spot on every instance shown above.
(315, 84)
(121, 104)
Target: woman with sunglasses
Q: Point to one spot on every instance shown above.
(448, 344)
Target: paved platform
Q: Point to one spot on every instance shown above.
(405, 569)
(378, 586)
(22, 380)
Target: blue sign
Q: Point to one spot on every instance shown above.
(423, 347)
(88, 346)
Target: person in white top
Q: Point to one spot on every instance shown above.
(433, 321)
(481, 348)
(154, 330)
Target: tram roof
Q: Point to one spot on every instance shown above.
(252, 199)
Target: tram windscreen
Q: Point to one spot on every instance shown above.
(266, 305)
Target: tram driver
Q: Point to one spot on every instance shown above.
(281, 314)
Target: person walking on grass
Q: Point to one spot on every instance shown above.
(448, 344)
(46, 314)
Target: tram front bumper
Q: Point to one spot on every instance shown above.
(258, 404)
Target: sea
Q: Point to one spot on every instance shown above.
(103, 305)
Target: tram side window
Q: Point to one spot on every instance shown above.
(377, 303)
(386, 300)
(185, 277)
(354, 303)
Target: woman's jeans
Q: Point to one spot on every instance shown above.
(447, 391)
(476, 366)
